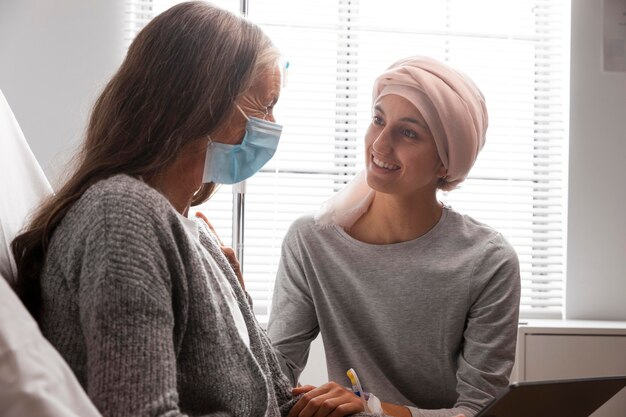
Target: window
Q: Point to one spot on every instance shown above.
(512, 49)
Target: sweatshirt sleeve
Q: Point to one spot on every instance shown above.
(488, 352)
(127, 317)
(293, 323)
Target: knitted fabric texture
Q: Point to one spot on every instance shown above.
(137, 314)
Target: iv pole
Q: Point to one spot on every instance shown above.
(239, 191)
(239, 197)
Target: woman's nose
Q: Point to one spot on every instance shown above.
(383, 142)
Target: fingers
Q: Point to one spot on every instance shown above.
(302, 389)
(328, 400)
(229, 253)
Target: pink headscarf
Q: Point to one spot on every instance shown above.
(455, 112)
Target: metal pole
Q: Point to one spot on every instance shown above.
(239, 192)
(239, 200)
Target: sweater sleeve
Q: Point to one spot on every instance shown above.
(293, 323)
(488, 351)
(127, 316)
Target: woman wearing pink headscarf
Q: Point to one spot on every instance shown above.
(419, 299)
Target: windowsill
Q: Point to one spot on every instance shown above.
(568, 326)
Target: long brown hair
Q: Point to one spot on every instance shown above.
(180, 79)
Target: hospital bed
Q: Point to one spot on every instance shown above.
(34, 379)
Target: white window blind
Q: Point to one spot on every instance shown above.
(513, 49)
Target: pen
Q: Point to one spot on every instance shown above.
(357, 388)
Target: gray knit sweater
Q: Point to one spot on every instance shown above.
(137, 314)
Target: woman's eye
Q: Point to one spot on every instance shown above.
(377, 120)
(409, 133)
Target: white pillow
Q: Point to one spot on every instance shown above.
(23, 185)
(34, 379)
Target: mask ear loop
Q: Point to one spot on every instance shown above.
(244, 115)
(265, 114)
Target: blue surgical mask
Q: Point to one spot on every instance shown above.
(230, 164)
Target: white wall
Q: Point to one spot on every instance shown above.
(54, 58)
(596, 244)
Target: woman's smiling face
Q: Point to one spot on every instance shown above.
(400, 153)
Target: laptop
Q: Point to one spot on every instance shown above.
(565, 397)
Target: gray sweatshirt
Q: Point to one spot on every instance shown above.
(429, 323)
(136, 312)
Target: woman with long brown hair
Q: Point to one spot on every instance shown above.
(139, 299)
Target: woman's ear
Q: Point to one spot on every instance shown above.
(442, 172)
